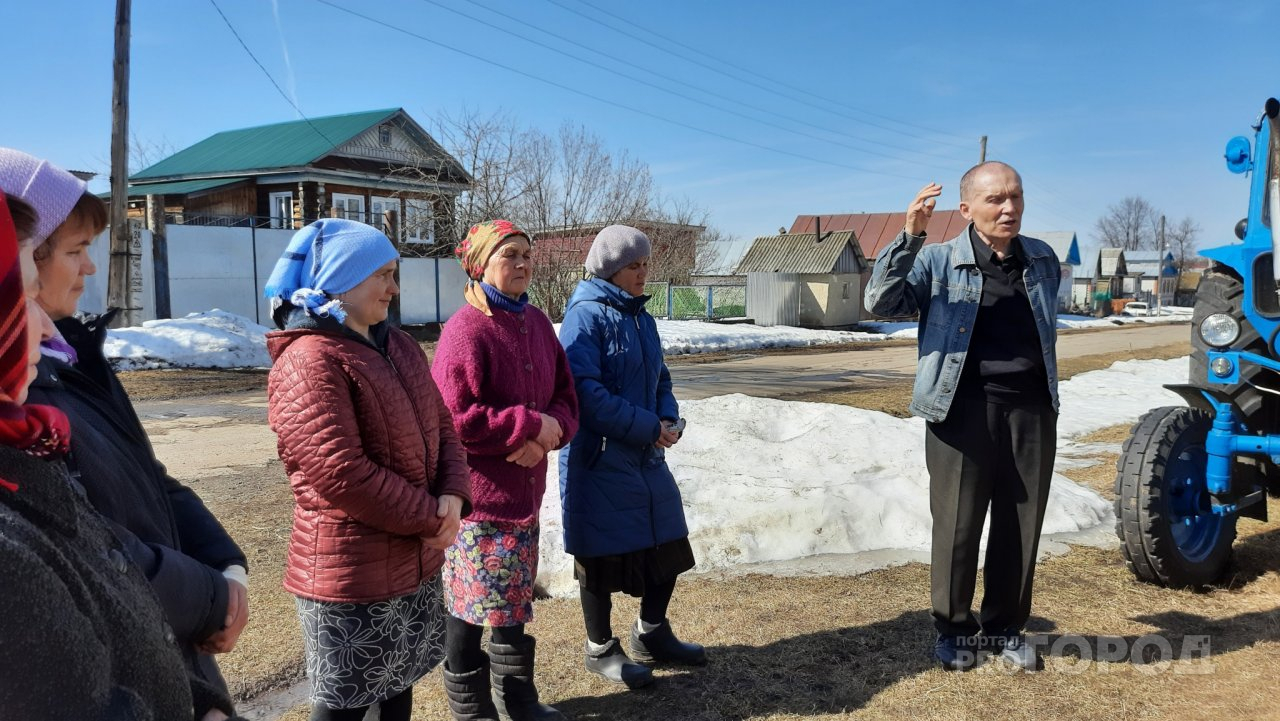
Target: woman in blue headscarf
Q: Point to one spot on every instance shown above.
(378, 473)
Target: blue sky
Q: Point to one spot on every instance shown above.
(1092, 101)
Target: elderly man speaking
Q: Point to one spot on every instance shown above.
(987, 385)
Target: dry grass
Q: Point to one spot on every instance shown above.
(258, 511)
(1068, 367)
(161, 385)
(895, 397)
(1101, 476)
(858, 647)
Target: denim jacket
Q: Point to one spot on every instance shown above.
(944, 285)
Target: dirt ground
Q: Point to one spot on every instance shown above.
(858, 646)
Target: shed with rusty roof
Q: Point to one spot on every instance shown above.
(801, 279)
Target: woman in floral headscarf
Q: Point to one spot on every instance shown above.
(506, 379)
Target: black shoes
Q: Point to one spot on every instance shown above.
(469, 695)
(956, 653)
(661, 646)
(514, 695)
(612, 663)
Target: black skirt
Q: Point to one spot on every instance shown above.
(632, 572)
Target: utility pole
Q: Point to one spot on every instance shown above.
(1160, 267)
(982, 150)
(120, 271)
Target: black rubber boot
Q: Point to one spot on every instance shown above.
(612, 663)
(661, 646)
(514, 694)
(469, 695)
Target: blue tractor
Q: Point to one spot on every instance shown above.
(1188, 473)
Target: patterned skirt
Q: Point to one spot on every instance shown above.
(489, 572)
(363, 653)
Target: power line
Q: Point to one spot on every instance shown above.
(775, 81)
(678, 81)
(826, 102)
(261, 67)
(599, 99)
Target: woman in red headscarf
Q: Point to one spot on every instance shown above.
(83, 633)
(504, 376)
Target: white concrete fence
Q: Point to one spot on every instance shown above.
(217, 267)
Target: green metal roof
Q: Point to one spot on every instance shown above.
(282, 145)
(181, 187)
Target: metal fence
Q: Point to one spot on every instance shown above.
(689, 302)
(227, 267)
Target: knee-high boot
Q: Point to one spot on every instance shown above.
(470, 698)
(514, 692)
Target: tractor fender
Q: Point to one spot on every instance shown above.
(1203, 398)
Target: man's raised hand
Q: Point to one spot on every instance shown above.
(921, 209)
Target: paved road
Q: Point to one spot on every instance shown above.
(215, 435)
(772, 376)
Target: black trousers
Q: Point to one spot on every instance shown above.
(987, 455)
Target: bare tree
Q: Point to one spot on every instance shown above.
(709, 254)
(676, 231)
(145, 153)
(492, 151)
(1182, 239)
(571, 180)
(562, 187)
(1129, 224)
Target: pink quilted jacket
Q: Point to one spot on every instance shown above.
(368, 445)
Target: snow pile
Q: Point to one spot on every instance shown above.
(1119, 394)
(214, 339)
(218, 339)
(777, 485)
(1169, 315)
(680, 337)
(892, 330)
(898, 330)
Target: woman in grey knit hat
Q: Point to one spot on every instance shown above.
(623, 519)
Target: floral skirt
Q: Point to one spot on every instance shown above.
(489, 571)
(363, 653)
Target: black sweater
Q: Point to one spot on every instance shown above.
(167, 530)
(82, 634)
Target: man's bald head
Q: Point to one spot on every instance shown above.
(969, 179)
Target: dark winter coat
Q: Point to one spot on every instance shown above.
(617, 492)
(369, 446)
(165, 526)
(82, 633)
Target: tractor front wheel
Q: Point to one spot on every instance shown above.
(1168, 532)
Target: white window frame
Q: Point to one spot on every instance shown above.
(375, 216)
(344, 200)
(279, 220)
(414, 210)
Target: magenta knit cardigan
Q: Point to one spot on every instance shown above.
(496, 375)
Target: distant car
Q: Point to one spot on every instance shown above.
(1136, 307)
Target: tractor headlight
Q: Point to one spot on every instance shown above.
(1219, 330)
(1221, 366)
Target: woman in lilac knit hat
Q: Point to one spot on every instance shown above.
(506, 379)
